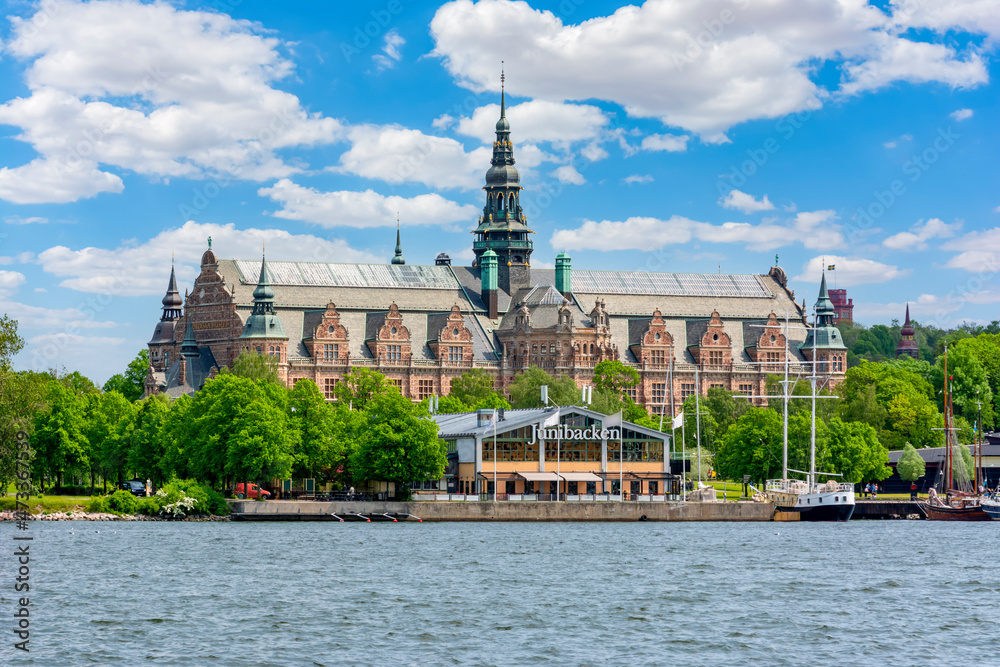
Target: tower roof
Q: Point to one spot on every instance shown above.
(823, 303)
(189, 348)
(263, 291)
(907, 329)
(172, 300)
(398, 258)
(263, 322)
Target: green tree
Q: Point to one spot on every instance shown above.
(472, 386)
(751, 446)
(23, 395)
(132, 383)
(178, 432)
(614, 376)
(725, 408)
(968, 384)
(526, 389)
(60, 443)
(10, 342)
(148, 447)
(313, 417)
(911, 465)
(397, 444)
(78, 383)
(256, 366)
(361, 386)
(855, 452)
(709, 427)
(108, 416)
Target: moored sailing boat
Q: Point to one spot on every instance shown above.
(961, 501)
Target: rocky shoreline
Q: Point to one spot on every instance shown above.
(9, 515)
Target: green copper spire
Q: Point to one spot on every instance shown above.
(263, 321)
(398, 259)
(824, 335)
(189, 348)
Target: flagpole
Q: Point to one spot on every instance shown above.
(697, 419)
(494, 455)
(621, 466)
(683, 448)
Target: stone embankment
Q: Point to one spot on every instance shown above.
(102, 516)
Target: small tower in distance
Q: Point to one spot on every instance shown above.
(908, 339)
(398, 257)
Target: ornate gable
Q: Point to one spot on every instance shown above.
(769, 346)
(454, 340)
(715, 346)
(392, 342)
(329, 338)
(655, 347)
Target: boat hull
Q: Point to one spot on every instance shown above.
(948, 513)
(992, 510)
(825, 506)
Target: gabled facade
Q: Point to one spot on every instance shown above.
(424, 325)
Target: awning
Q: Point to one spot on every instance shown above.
(579, 477)
(540, 476)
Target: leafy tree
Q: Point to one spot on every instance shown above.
(614, 376)
(397, 444)
(108, 416)
(725, 408)
(10, 342)
(855, 452)
(312, 416)
(131, 384)
(78, 383)
(911, 465)
(178, 432)
(473, 386)
(60, 442)
(526, 389)
(361, 386)
(492, 402)
(968, 384)
(148, 447)
(256, 366)
(709, 427)
(23, 395)
(751, 446)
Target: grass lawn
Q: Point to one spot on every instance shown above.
(48, 504)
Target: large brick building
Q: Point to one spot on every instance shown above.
(422, 326)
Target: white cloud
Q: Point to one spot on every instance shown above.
(979, 252)
(715, 63)
(568, 174)
(741, 201)
(362, 209)
(851, 271)
(670, 143)
(390, 51)
(10, 281)
(69, 319)
(637, 178)
(18, 220)
(974, 16)
(896, 59)
(921, 233)
(537, 120)
(396, 154)
(150, 88)
(890, 144)
(961, 114)
(143, 268)
(814, 229)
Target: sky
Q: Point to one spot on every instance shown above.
(668, 136)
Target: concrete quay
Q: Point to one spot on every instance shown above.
(294, 510)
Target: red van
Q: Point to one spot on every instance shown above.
(254, 492)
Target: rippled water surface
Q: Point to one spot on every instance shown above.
(903, 592)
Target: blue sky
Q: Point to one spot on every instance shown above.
(670, 136)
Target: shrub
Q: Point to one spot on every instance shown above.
(147, 506)
(122, 502)
(180, 497)
(97, 505)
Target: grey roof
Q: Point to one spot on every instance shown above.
(324, 274)
(374, 322)
(197, 372)
(695, 329)
(752, 331)
(670, 284)
(435, 323)
(637, 328)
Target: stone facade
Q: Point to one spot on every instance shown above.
(422, 326)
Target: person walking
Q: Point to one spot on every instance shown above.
(913, 490)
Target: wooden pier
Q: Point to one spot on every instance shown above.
(888, 509)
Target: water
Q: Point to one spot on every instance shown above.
(507, 594)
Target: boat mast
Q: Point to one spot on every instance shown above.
(784, 436)
(812, 433)
(947, 428)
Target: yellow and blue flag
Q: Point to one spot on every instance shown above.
(831, 267)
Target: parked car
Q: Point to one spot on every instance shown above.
(253, 492)
(135, 487)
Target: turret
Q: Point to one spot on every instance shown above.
(398, 258)
(564, 275)
(503, 228)
(824, 344)
(488, 277)
(908, 339)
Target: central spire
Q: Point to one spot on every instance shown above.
(398, 258)
(503, 227)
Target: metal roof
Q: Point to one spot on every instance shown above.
(349, 275)
(669, 284)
